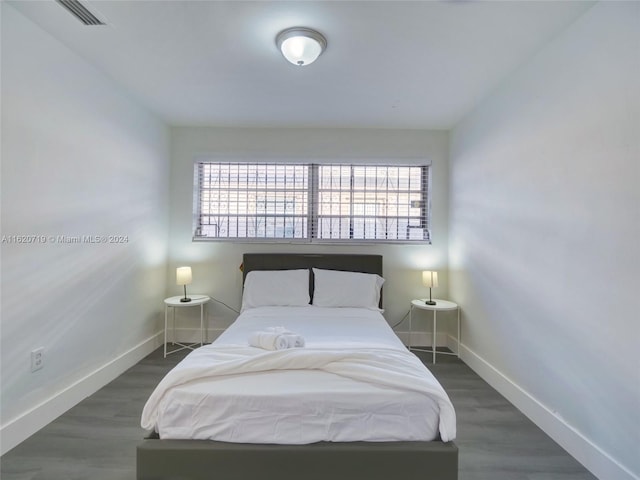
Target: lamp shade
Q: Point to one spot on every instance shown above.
(301, 46)
(183, 276)
(429, 278)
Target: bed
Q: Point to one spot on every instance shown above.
(383, 438)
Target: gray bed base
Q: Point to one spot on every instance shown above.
(208, 460)
(211, 460)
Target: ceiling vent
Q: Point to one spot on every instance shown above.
(80, 12)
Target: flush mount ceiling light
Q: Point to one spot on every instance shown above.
(300, 45)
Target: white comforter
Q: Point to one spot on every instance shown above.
(354, 381)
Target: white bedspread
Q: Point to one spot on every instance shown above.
(354, 381)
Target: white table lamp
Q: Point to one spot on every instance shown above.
(430, 279)
(184, 278)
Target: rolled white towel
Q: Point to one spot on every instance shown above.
(268, 340)
(294, 341)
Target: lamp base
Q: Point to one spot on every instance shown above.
(186, 299)
(429, 302)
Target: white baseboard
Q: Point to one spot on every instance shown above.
(22, 427)
(596, 460)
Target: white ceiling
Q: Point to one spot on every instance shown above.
(388, 64)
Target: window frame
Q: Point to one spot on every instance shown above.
(313, 215)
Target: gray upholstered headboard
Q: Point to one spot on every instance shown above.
(326, 261)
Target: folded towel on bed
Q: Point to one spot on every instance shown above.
(295, 340)
(276, 338)
(268, 340)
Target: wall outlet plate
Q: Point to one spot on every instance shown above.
(37, 359)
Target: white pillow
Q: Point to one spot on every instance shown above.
(288, 288)
(346, 289)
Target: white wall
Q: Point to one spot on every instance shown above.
(78, 158)
(215, 264)
(544, 232)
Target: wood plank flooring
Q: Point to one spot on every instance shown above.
(96, 440)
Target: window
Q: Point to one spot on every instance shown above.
(311, 202)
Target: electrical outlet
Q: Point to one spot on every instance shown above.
(37, 359)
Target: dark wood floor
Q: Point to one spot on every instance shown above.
(96, 440)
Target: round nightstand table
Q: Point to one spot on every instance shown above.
(173, 303)
(440, 306)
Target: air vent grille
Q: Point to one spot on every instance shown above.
(80, 12)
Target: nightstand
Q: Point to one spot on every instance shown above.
(173, 303)
(440, 306)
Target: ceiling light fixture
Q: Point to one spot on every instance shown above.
(300, 45)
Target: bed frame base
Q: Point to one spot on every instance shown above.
(206, 460)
